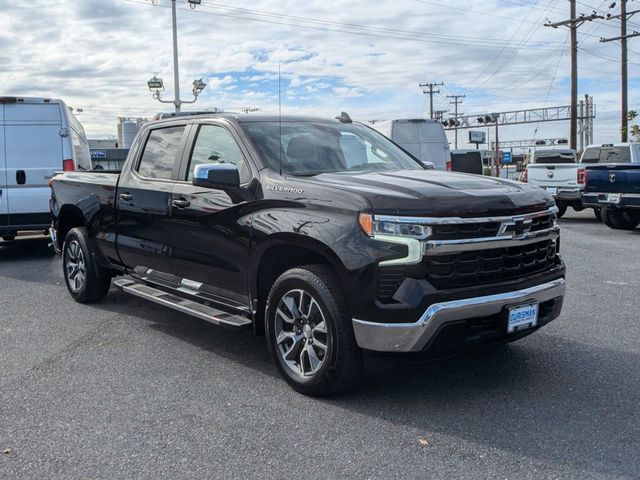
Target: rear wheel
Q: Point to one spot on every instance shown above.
(8, 237)
(562, 208)
(309, 333)
(86, 281)
(620, 219)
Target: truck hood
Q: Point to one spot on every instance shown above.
(438, 193)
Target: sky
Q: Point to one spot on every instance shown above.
(366, 58)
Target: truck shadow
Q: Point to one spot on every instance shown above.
(546, 398)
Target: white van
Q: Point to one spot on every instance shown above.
(38, 137)
(424, 139)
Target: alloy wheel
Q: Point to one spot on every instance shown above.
(75, 266)
(301, 333)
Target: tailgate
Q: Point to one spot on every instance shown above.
(553, 174)
(613, 178)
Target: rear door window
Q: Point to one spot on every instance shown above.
(160, 152)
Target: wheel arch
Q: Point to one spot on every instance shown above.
(281, 253)
(69, 217)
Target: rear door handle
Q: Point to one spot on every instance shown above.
(21, 177)
(181, 203)
(126, 197)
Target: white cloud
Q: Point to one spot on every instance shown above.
(98, 54)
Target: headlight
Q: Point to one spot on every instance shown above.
(399, 231)
(392, 226)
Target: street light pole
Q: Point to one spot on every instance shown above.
(156, 85)
(176, 72)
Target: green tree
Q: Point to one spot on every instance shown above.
(634, 128)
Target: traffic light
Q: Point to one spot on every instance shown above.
(562, 141)
(487, 119)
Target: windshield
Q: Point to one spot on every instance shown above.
(310, 148)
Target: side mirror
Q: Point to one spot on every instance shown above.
(427, 165)
(220, 176)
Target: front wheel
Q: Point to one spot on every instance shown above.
(86, 281)
(309, 333)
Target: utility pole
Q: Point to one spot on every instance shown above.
(456, 101)
(573, 23)
(624, 15)
(430, 92)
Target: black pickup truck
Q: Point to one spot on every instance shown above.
(322, 234)
(615, 190)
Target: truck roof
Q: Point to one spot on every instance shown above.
(242, 118)
(619, 144)
(15, 99)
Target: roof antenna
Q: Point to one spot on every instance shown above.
(344, 118)
(280, 119)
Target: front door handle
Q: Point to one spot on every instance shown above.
(181, 203)
(126, 197)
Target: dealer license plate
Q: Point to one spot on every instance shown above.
(613, 197)
(522, 317)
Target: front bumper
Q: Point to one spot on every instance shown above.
(414, 337)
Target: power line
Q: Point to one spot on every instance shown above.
(362, 30)
(527, 36)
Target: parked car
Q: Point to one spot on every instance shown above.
(341, 255)
(557, 171)
(615, 189)
(38, 136)
(424, 139)
(466, 161)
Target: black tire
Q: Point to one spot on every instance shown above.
(86, 281)
(341, 363)
(9, 237)
(562, 209)
(605, 213)
(597, 213)
(624, 220)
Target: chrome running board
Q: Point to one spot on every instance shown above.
(195, 309)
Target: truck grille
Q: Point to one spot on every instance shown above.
(489, 266)
(457, 231)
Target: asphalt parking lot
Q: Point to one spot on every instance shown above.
(127, 389)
